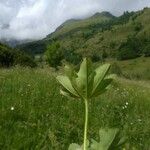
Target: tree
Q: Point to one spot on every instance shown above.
(137, 26)
(71, 56)
(24, 60)
(129, 49)
(10, 57)
(54, 54)
(6, 57)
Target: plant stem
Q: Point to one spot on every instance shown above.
(86, 124)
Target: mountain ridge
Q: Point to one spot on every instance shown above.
(94, 38)
(81, 23)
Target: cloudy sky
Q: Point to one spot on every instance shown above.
(34, 19)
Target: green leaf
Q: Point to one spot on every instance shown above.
(83, 77)
(110, 139)
(106, 137)
(74, 147)
(102, 87)
(67, 94)
(101, 72)
(118, 141)
(70, 72)
(94, 145)
(87, 83)
(122, 141)
(67, 85)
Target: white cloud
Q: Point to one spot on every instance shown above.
(34, 19)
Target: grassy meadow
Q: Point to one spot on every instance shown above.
(33, 114)
(137, 69)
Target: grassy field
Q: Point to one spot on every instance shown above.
(137, 69)
(33, 115)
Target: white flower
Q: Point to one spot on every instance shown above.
(127, 103)
(12, 108)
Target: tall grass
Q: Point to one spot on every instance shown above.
(137, 69)
(33, 115)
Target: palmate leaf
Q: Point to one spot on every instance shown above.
(87, 83)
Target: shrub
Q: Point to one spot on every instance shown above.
(87, 34)
(137, 26)
(10, 57)
(71, 56)
(96, 58)
(129, 49)
(24, 60)
(54, 54)
(6, 57)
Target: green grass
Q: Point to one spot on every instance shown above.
(43, 119)
(137, 69)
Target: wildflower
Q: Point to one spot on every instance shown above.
(127, 103)
(12, 108)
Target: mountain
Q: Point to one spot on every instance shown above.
(101, 34)
(71, 25)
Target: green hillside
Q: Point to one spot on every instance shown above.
(124, 37)
(73, 25)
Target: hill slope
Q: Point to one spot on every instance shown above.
(74, 25)
(68, 26)
(101, 33)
